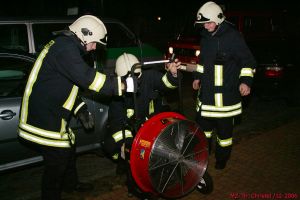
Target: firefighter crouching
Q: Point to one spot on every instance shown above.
(122, 117)
(225, 73)
(50, 98)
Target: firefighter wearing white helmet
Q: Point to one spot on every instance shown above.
(124, 64)
(225, 72)
(48, 106)
(123, 119)
(210, 12)
(89, 28)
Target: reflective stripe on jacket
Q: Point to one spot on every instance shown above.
(225, 63)
(51, 93)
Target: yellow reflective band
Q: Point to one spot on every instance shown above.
(78, 107)
(200, 68)
(219, 100)
(119, 86)
(224, 143)
(198, 104)
(151, 107)
(31, 80)
(167, 83)
(63, 126)
(208, 134)
(119, 135)
(44, 133)
(130, 112)
(44, 141)
(221, 114)
(218, 75)
(223, 108)
(71, 99)
(98, 82)
(247, 72)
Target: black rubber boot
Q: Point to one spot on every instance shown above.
(121, 166)
(220, 165)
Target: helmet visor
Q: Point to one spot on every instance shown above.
(201, 19)
(103, 40)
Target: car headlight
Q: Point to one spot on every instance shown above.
(197, 53)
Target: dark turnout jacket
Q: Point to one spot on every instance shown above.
(121, 109)
(149, 85)
(225, 63)
(51, 92)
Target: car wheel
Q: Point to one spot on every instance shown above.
(205, 186)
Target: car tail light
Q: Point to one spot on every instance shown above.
(273, 72)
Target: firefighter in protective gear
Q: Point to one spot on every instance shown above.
(122, 119)
(124, 64)
(225, 72)
(51, 98)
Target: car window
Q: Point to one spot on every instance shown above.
(117, 35)
(14, 36)
(43, 33)
(13, 76)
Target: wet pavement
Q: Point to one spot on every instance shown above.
(264, 164)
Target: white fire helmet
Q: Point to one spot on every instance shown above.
(210, 12)
(124, 64)
(89, 28)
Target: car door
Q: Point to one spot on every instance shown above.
(14, 70)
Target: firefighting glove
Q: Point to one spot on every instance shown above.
(86, 118)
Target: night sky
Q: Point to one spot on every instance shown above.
(127, 8)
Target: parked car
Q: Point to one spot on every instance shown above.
(14, 70)
(30, 35)
(265, 35)
(20, 42)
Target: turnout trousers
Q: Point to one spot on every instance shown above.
(223, 127)
(60, 171)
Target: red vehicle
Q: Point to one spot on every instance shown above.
(186, 45)
(186, 49)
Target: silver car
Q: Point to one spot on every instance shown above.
(14, 70)
(29, 35)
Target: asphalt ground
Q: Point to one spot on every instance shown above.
(264, 164)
